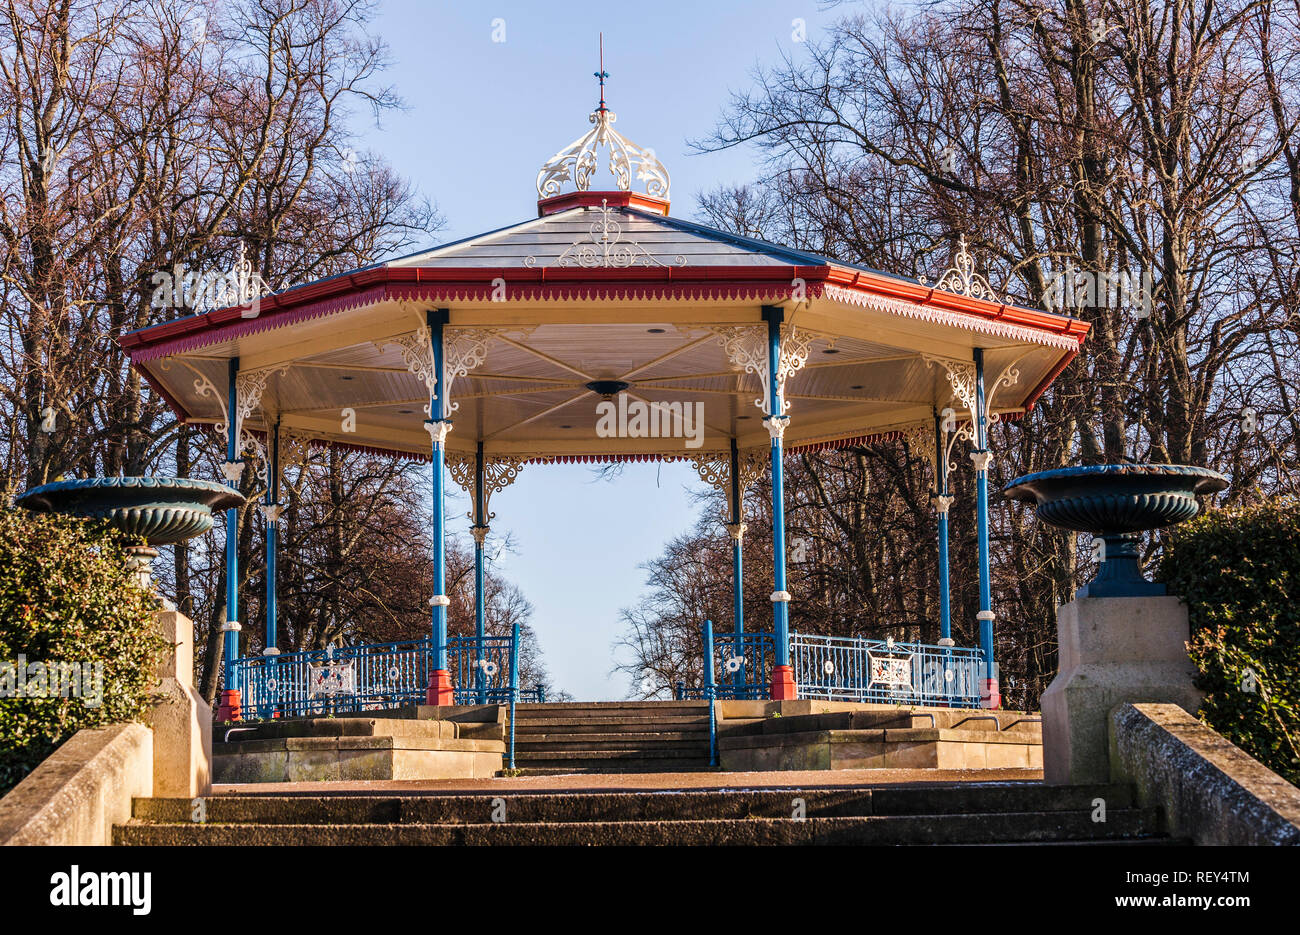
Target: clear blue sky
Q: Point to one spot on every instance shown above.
(481, 118)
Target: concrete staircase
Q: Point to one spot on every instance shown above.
(612, 737)
(947, 813)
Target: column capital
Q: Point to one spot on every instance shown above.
(780, 597)
(981, 460)
(440, 600)
(942, 503)
(737, 530)
(479, 533)
(438, 429)
(776, 426)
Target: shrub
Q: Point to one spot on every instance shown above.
(1239, 570)
(71, 622)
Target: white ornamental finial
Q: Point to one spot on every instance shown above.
(578, 162)
(962, 279)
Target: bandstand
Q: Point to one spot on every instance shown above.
(601, 330)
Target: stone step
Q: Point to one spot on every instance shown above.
(997, 827)
(584, 768)
(609, 724)
(656, 741)
(571, 806)
(675, 751)
(612, 709)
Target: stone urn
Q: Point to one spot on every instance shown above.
(159, 510)
(1122, 640)
(1116, 503)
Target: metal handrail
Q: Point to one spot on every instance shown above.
(982, 717)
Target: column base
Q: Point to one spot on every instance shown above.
(229, 705)
(783, 688)
(990, 695)
(440, 691)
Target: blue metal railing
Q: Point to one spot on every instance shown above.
(743, 661)
(853, 669)
(376, 676)
(711, 692)
(481, 670)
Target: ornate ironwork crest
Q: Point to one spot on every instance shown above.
(605, 247)
(579, 161)
(962, 279)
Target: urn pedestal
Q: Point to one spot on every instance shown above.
(1113, 650)
(1122, 639)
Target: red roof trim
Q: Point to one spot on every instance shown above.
(557, 203)
(550, 283)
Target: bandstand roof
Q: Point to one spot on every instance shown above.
(604, 285)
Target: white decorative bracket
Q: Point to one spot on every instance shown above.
(417, 354)
(952, 433)
(1009, 376)
(499, 472)
(746, 347)
(250, 385)
(961, 377)
(295, 448)
(714, 468)
(464, 349)
(920, 441)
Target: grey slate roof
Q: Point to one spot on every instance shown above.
(664, 239)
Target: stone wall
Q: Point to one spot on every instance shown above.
(1209, 790)
(82, 789)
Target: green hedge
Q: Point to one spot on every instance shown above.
(81, 629)
(1239, 570)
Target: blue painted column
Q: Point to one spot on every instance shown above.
(981, 457)
(479, 530)
(272, 538)
(942, 501)
(440, 691)
(228, 708)
(737, 531)
(783, 687)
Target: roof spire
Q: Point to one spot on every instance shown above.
(602, 75)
